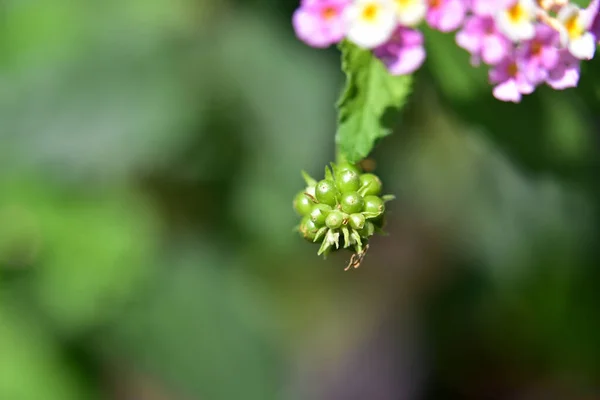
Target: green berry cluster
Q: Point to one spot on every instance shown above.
(343, 210)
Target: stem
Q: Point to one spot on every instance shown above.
(339, 157)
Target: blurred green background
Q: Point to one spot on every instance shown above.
(149, 153)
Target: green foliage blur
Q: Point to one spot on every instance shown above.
(149, 154)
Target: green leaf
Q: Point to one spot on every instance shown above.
(328, 173)
(370, 94)
(310, 181)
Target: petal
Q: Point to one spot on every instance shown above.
(524, 85)
(410, 37)
(493, 49)
(408, 61)
(450, 15)
(507, 91)
(309, 28)
(515, 31)
(583, 47)
(499, 73)
(488, 7)
(549, 57)
(534, 73)
(412, 13)
(546, 34)
(370, 34)
(468, 41)
(563, 78)
(588, 15)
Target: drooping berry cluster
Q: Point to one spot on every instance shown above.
(525, 42)
(343, 210)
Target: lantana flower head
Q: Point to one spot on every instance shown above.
(525, 43)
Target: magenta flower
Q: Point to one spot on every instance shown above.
(540, 54)
(566, 72)
(404, 52)
(511, 83)
(319, 23)
(481, 38)
(446, 15)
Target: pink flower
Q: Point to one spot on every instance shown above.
(511, 83)
(481, 38)
(540, 54)
(566, 72)
(488, 7)
(319, 23)
(404, 52)
(446, 15)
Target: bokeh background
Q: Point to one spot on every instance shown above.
(149, 153)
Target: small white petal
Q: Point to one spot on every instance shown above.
(410, 12)
(563, 36)
(567, 12)
(517, 21)
(370, 22)
(583, 47)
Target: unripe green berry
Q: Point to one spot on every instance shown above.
(370, 184)
(347, 181)
(352, 203)
(368, 230)
(319, 214)
(334, 219)
(374, 204)
(357, 221)
(308, 228)
(303, 204)
(326, 192)
(345, 166)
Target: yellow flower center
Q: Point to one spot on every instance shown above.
(370, 12)
(574, 27)
(517, 13)
(405, 3)
(435, 3)
(513, 69)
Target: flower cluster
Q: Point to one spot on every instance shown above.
(525, 43)
(341, 211)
